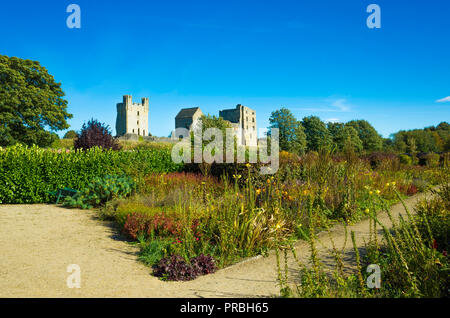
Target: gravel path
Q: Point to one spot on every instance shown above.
(38, 242)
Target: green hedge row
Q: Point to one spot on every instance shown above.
(27, 174)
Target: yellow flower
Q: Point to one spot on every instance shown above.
(366, 211)
(248, 165)
(268, 181)
(378, 191)
(370, 192)
(290, 198)
(258, 191)
(305, 192)
(387, 184)
(393, 183)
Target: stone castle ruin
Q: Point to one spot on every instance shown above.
(132, 118)
(132, 121)
(241, 118)
(188, 118)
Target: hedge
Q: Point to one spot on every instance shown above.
(27, 174)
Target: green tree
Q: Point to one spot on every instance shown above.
(430, 139)
(208, 121)
(318, 137)
(388, 145)
(345, 137)
(71, 134)
(292, 137)
(30, 102)
(370, 138)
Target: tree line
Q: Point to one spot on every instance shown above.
(313, 134)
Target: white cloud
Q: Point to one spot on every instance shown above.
(334, 106)
(341, 104)
(444, 100)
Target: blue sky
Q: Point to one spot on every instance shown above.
(314, 57)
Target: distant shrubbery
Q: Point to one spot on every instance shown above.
(405, 159)
(28, 174)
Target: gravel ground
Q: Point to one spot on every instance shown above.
(39, 242)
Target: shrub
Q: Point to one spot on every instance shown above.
(27, 174)
(377, 159)
(176, 268)
(204, 264)
(162, 225)
(135, 225)
(102, 190)
(432, 160)
(405, 159)
(153, 225)
(95, 134)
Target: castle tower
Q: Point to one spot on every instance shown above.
(243, 120)
(132, 118)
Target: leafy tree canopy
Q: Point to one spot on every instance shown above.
(370, 138)
(345, 137)
(318, 137)
(292, 137)
(209, 121)
(71, 134)
(430, 139)
(30, 102)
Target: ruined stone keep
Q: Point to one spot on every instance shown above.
(132, 118)
(243, 120)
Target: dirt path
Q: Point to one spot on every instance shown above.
(38, 242)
